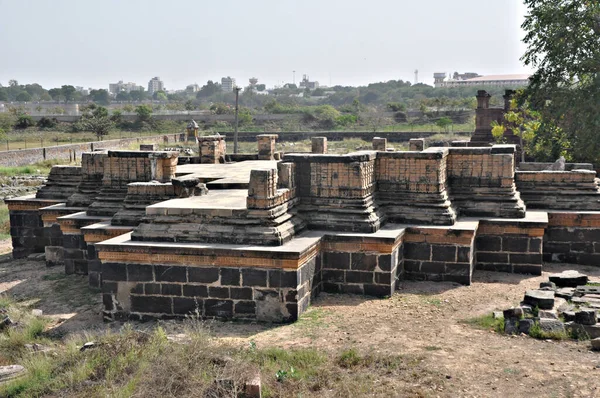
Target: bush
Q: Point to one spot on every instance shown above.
(47, 123)
(23, 121)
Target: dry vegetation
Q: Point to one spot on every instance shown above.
(428, 340)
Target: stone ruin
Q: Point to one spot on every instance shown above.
(258, 236)
(567, 304)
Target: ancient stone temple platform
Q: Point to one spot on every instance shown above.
(259, 238)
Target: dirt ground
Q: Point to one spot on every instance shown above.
(423, 319)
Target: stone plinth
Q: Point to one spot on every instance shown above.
(266, 146)
(75, 251)
(412, 187)
(124, 167)
(319, 144)
(62, 183)
(92, 172)
(149, 280)
(212, 149)
(379, 144)
(52, 233)
(416, 144)
(482, 182)
(511, 245)
(336, 191)
(572, 237)
(559, 190)
(440, 253)
(93, 234)
(26, 225)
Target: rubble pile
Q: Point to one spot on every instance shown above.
(567, 305)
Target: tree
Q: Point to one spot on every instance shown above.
(160, 96)
(123, 96)
(189, 105)
(68, 92)
(138, 95)
(208, 89)
(260, 87)
(95, 119)
(13, 83)
(562, 39)
(24, 97)
(56, 94)
(100, 96)
(444, 123)
(144, 113)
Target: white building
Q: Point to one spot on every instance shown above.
(116, 88)
(227, 84)
(490, 80)
(155, 84)
(192, 88)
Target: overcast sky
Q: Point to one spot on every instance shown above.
(347, 42)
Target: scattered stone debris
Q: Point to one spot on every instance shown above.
(10, 372)
(569, 278)
(566, 305)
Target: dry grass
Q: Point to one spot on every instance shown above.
(133, 363)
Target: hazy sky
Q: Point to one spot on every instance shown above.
(347, 42)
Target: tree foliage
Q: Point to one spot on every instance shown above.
(95, 118)
(563, 39)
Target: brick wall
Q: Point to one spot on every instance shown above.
(439, 254)
(572, 237)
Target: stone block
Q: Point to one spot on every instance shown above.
(204, 274)
(542, 299)
(195, 291)
(254, 277)
(166, 273)
(139, 273)
(151, 304)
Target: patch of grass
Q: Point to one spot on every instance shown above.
(536, 332)
(487, 322)
(432, 348)
(593, 284)
(349, 358)
(432, 301)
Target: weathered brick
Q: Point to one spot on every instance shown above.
(254, 277)
(245, 307)
(336, 260)
(463, 254)
(152, 288)
(195, 291)
(359, 277)
(114, 272)
(218, 292)
(170, 273)
(230, 276)
(203, 274)
(385, 262)
(417, 251)
(218, 308)
(515, 244)
(488, 243)
(279, 278)
(151, 304)
(184, 306)
(333, 276)
(525, 258)
(378, 290)
(351, 289)
(139, 272)
(486, 257)
(432, 267)
(443, 253)
(170, 289)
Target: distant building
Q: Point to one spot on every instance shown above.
(116, 88)
(227, 84)
(155, 84)
(474, 79)
(192, 88)
(306, 83)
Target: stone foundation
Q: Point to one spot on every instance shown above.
(573, 237)
(515, 245)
